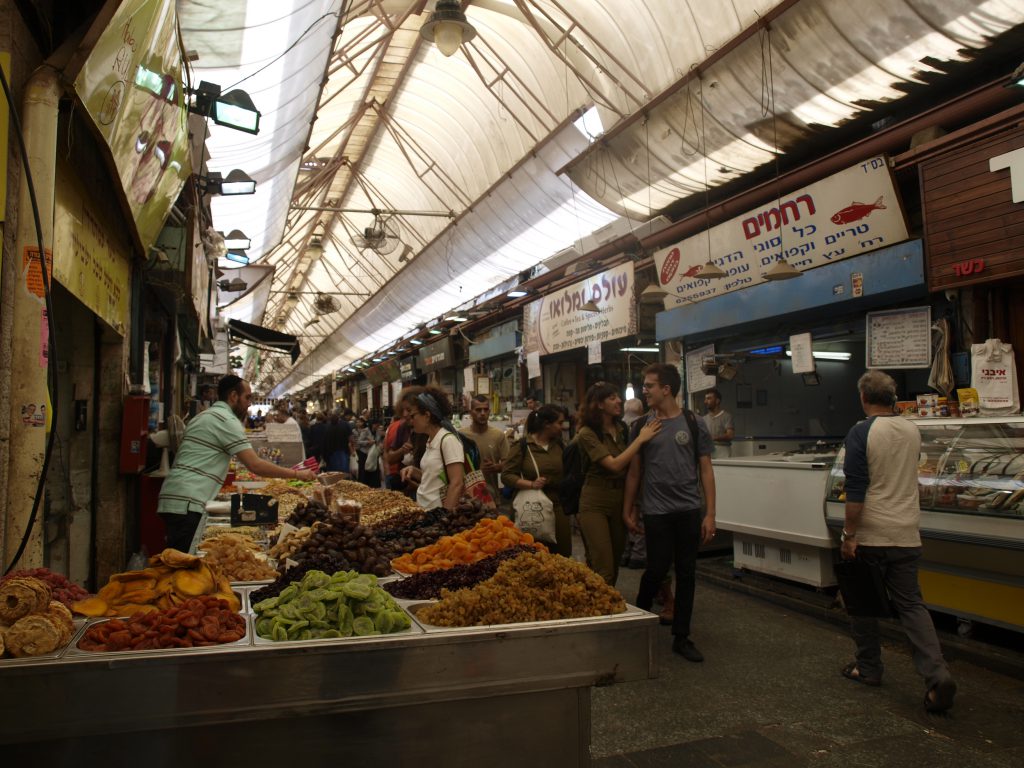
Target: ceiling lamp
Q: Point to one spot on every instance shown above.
(448, 27)
(652, 294)
(238, 240)
(782, 270)
(456, 319)
(237, 182)
(518, 293)
(234, 285)
(590, 306)
(711, 271)
(239, 257)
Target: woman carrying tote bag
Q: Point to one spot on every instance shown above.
(535, 464)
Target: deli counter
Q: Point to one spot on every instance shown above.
(971, 483)
(409, 699)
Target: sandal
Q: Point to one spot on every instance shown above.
(851, 672)
(943, 697)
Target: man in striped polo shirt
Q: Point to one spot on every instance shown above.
(211, 439)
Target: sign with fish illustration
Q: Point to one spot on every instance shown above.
(852, 212)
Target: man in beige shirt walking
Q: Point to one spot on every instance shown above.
(882, 527)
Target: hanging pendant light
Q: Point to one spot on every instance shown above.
(712, 271)
(652, 294)
(448, 27)
(590, 306)
(782, 270)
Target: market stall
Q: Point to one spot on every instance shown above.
(351, 654)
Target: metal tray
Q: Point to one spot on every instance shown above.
(413, 608)
(414, 629)
(80, 625)
(73, 651)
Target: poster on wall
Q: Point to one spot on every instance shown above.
(559, 322)
(696, 379)
(899, 338)
(852, 212)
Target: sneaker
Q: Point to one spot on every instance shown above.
(684, 647)
(940, 697)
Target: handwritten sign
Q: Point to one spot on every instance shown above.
(899, 338)
(852, 212)
(696, 379)
(803, 355)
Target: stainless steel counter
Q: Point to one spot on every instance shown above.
(510, 695)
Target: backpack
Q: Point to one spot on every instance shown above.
(470, 448)
(574, 471)
(575, 463)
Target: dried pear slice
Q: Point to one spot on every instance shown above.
(92, 606)
(192, 583)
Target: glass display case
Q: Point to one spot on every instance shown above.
(967, 466)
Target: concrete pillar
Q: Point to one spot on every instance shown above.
(28, 393)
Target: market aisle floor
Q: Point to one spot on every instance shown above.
(769, 695)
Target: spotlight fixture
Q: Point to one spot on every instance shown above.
(417, 342)
(435, 331)
(237, 182)
(233, 109)
(590, 306)
(455, 319)
(448, 27)
(518, 293)
(233, 285)
(782, 270)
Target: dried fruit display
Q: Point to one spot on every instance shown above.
(482, 540)
(530, 587)
(428, 529)
(196, 622)
(342, 537)
(173, 578)
(234, 557)
(306, 514)
(329, 565)
(428, 586)
(37, 624)
(321, 606)
(64, 591)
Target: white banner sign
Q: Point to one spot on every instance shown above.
(847, 214)
(533, 365)
(558, 322)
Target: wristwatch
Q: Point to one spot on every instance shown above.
(846, 536)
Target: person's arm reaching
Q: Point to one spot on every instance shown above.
(707, 479)
(262, 468)
(624, 459)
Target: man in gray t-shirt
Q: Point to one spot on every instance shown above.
(666, 471)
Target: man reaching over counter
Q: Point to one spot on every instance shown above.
(211, 439)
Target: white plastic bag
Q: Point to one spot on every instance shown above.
(994, 376)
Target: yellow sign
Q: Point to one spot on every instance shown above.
(131, 86)
(87, 258)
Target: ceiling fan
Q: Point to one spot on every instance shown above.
(325, 304)
(383, 236)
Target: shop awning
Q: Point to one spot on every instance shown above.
(264, 338)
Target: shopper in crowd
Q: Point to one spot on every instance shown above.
(670, 471)
(338, 444)
(543, 446)
(371, 468)
(399, 440)
(882, 527)
(207, 397)
(201, 464)
(719, 424)
(441, 472)
(364, 441)
(607, 452)
(490, 440)
(317, 432)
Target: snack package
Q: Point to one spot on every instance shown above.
(970, 404)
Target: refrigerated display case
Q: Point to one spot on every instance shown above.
(772, 505)
(971, 486)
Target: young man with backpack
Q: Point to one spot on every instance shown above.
(669, 472)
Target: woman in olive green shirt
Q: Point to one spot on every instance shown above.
(544, 442)
(602, 439)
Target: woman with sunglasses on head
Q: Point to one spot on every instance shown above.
(603, 443)
(536, 462)
(441, 471)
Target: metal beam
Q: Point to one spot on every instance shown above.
(374, 211)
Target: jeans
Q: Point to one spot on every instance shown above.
(672, 536)
(899, 571)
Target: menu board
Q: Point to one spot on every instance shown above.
(899, 338)
(696, 379)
